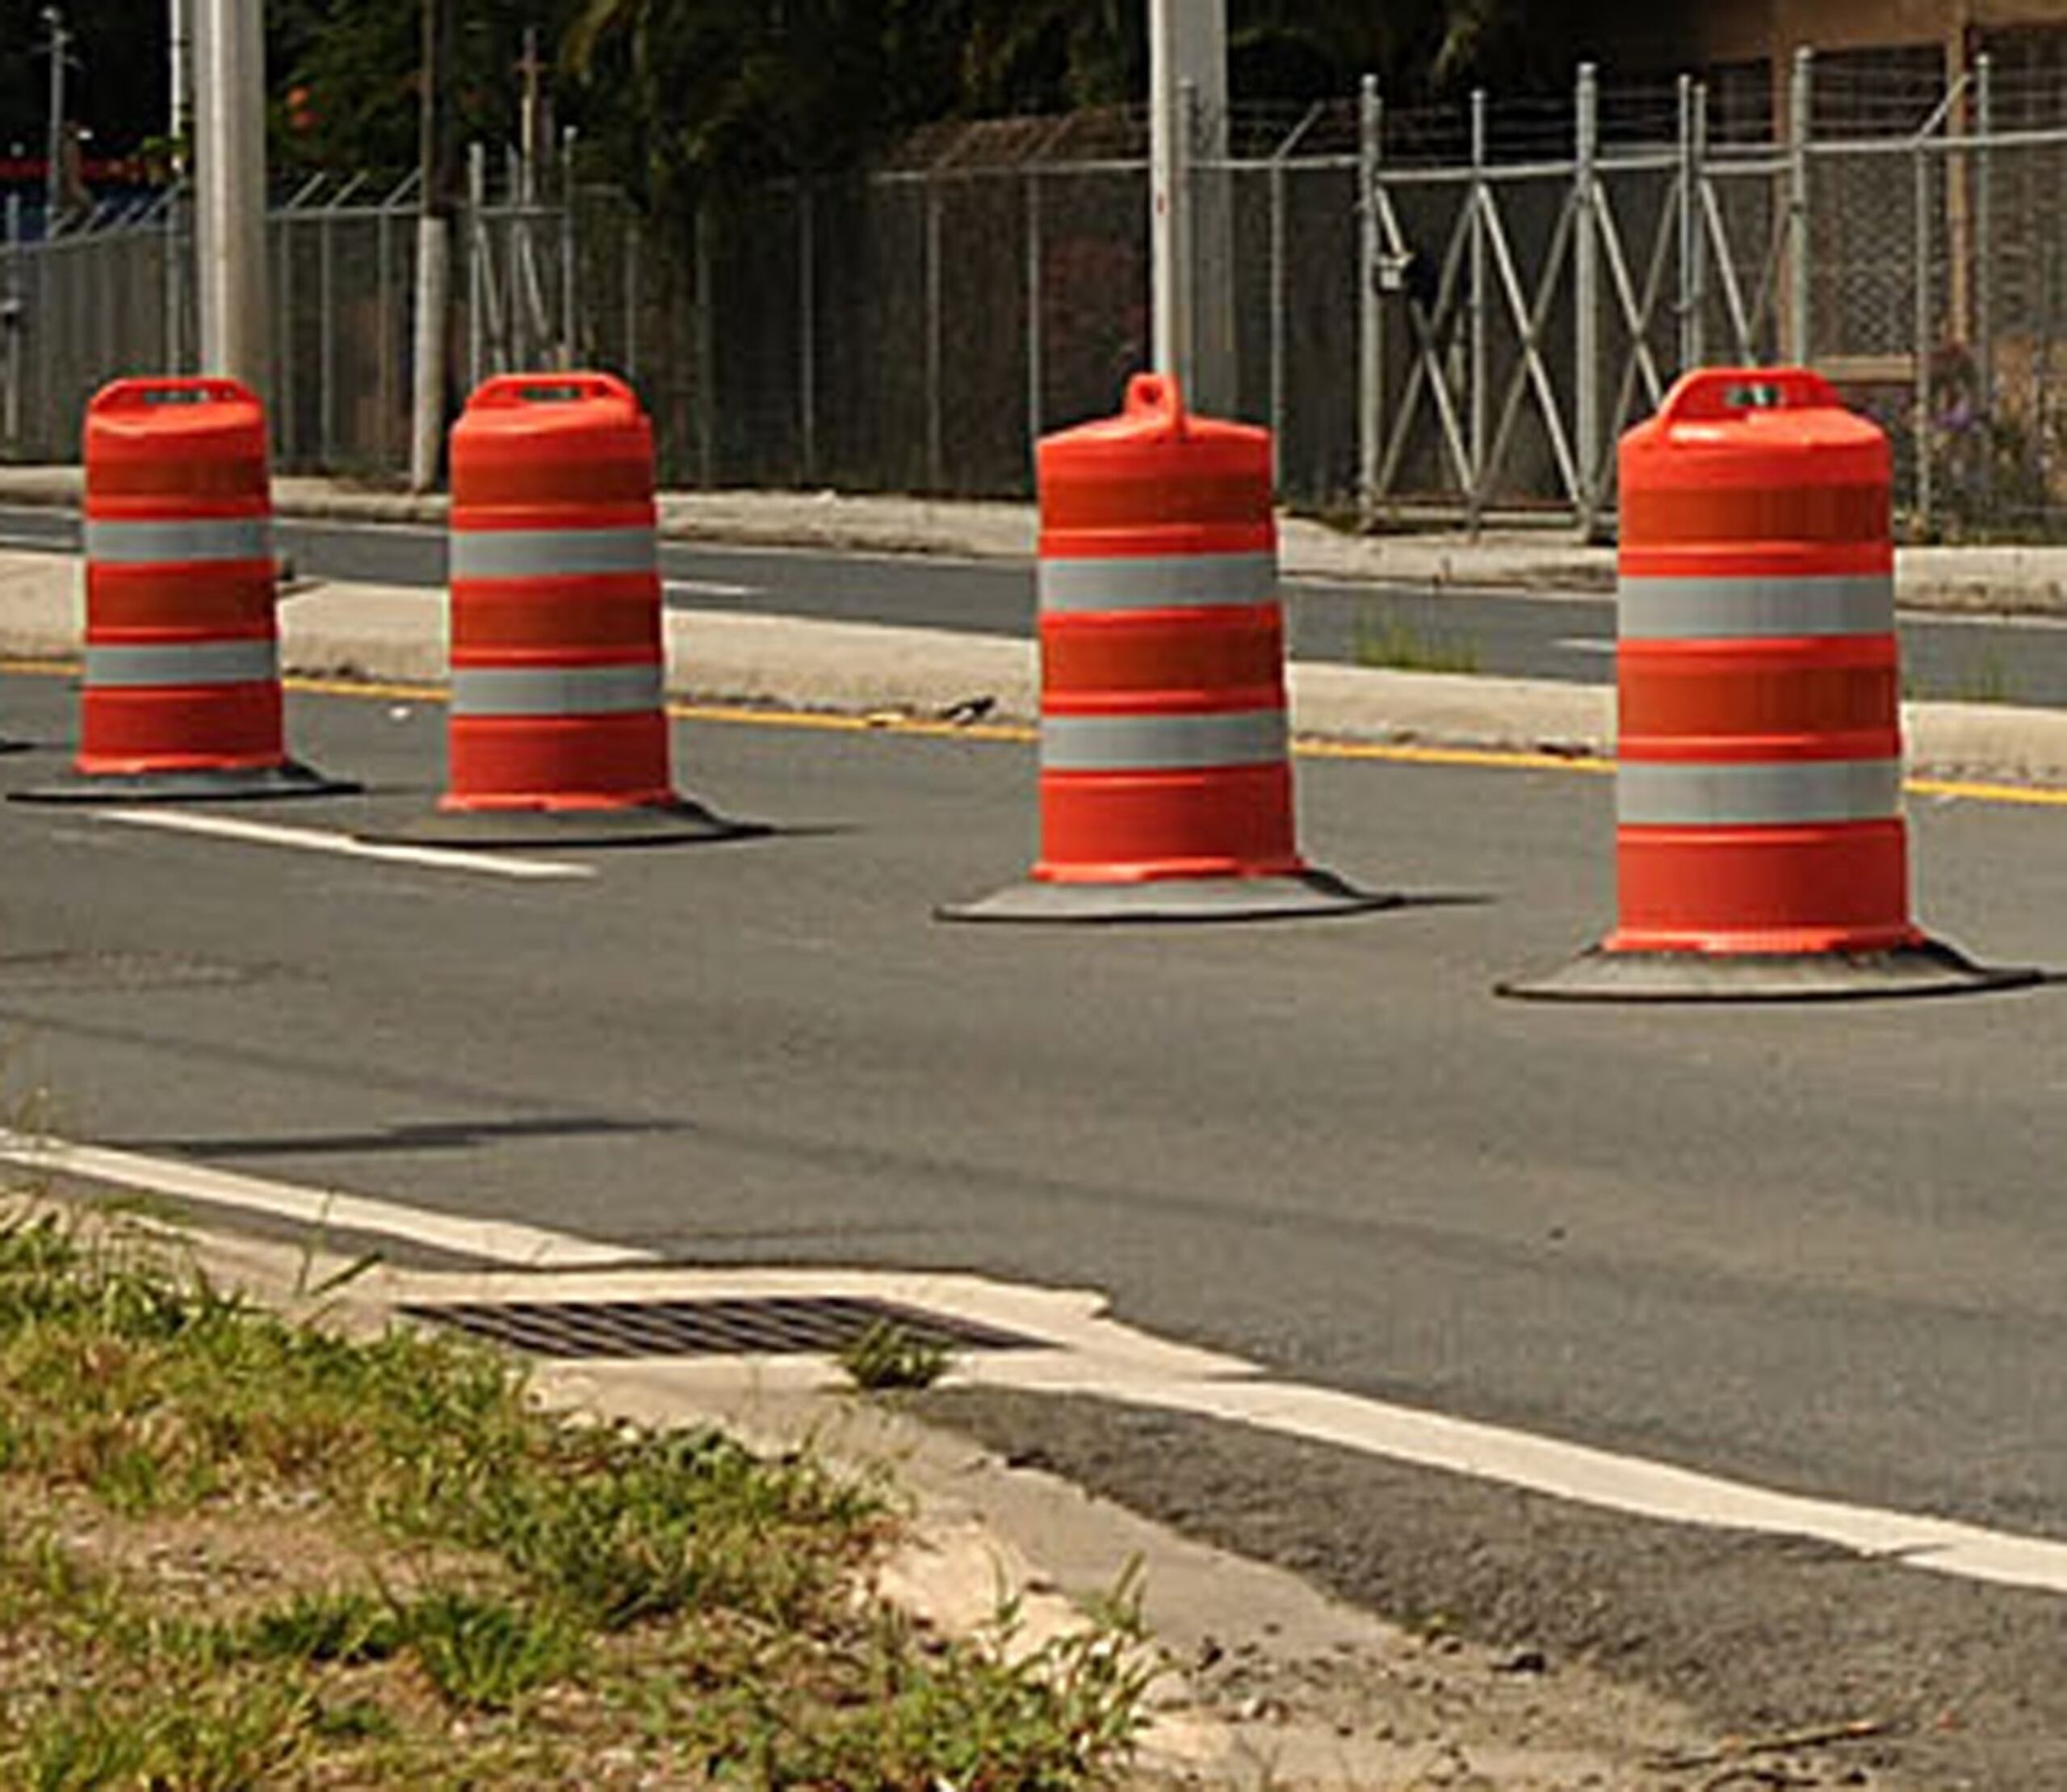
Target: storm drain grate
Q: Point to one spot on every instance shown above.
(808, 1325)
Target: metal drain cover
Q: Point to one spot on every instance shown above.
(805, 1325)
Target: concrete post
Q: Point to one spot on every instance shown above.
(1191, 227)
(229, 170)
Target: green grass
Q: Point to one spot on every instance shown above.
(1383, 637)
(887, 1356)
(237, 1551)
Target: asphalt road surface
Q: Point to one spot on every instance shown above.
(1819, 1248)
(2020, 660)
(1726, 1236)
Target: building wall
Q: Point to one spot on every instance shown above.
(1737, 30)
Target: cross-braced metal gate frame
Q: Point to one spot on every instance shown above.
(1584, 398)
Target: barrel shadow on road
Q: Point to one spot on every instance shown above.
(421, 1135)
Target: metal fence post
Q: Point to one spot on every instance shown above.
(1585, 294)
(935, 444)
(477, 270)
(175, 332)
(384, 263)
(1921, 284)
(16, 323)
(41, 361)
(519, 281)
(630, 295)
(1693, 232)
(1475, 503)
(807, 329)
(1184, 219)
(1276, 302)
(1036, 367)
(1697, 266)
(1800, 114)
(284, 432)
(326, 321)
(1370, 319)
(570, 287)
(706, 353)
(1984, 244)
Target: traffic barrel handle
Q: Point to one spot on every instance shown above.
(1712, 394)
(1157, 395)
(510, 391)
(149, 393)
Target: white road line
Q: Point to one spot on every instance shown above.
(1086, 1352)
(1628, 1484)
(495, 1241)
(706, 588)
(314, 840)
(1584, 644)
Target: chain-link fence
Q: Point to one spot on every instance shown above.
(1443, 312)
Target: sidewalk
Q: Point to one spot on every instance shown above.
(2008, 579)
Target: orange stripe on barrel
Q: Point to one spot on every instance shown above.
(134, 730)
(1159, 659)
(1845, 514)
(1126, 827)
(1830, 697)
(610, 614)
(228, 599)
(1830, 887)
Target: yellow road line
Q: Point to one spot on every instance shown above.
(1487, 758)
(2026, 795)
(884, 722)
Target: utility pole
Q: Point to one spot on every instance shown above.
(59, 50)
(179, 160)
(229, 199)
(434, 248)
(1190, 213)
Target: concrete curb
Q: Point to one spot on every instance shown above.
(384, 634)
(2007, 580)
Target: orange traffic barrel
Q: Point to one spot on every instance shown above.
(1165, 779)
(181, 694)
(1760, 847)
(558, 726)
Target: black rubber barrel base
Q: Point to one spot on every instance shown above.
(261, 783)
(679, 823)
(1930, 969)
(1305, 895)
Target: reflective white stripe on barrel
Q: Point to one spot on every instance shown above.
(117, 543)
(235, 662)
(1173, 581)
(1750, 609)
(550, 553)
(1648, 794)
(555, 691)
(1161, 743)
